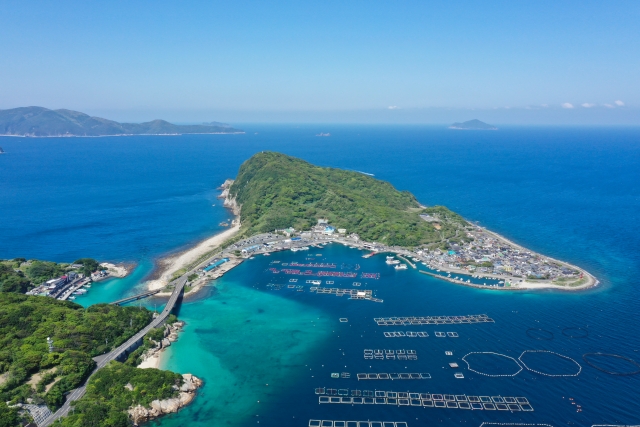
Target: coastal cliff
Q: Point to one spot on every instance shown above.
(230, 201)
(187, 392)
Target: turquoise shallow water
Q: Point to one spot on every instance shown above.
(571, 193)
(246, 335)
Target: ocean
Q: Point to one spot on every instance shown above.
(569, 193)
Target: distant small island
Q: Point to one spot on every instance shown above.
(42, 122)
(474, 124)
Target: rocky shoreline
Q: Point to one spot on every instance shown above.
(187, 392)
(151, 357)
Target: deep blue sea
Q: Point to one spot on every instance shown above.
(570, 193)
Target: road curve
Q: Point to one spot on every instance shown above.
(114, 354)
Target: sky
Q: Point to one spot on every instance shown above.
(511, 62)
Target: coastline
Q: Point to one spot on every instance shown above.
(168, 266)
(124, 134)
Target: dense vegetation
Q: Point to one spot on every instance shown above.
(19, 275)
(277, 191)
(115, 388)
(28, 369)
(39, 121)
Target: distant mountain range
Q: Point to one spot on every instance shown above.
(473, 125)
(42, 122)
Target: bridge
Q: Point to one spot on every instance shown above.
(120, 352)
(136, 297)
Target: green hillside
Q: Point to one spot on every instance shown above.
(39, 121)
(20, 275)
(28, 368)
(277, 191)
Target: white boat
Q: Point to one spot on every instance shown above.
(401, 267)
(392, 261)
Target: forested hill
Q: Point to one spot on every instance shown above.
(39, 121)
(276, 191)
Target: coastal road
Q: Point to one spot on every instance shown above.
(104, 359)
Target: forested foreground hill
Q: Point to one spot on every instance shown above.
(276, 191)
(30, 371)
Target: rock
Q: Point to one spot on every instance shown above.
(166, 343)
(158, 408)
(139, 414)
(128, 386)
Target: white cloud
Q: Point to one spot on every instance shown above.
(588, 105)
(609, 106)
(393, 107)
(545, 105)
(619, 103)
(567, 105)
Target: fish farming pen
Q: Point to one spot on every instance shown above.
(321, 273)
(377, 354)
(539, 334)
(312, 265)
(607, 370)
(494, 354)
(397, 334)
(555, 354)
(433, 320)
(431, 400)
(366, 294)
(394, 376)
(333, 423)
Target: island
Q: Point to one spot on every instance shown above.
(42, 122)
(285, 203)
(472, 125)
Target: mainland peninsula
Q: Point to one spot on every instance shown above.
(42, 122)
(473, 125)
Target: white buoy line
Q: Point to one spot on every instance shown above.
(495, 354)
(522, 365)
(554, 353)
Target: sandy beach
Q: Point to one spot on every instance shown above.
(168, 266)
(151, 362)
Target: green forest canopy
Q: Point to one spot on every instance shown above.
(277, 191)
(107, 399)
(78, 334)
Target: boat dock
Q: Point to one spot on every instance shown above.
(406, 260)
